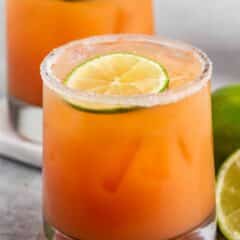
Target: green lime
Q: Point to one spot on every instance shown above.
(228, 197)
(118, 74)
(226, 122)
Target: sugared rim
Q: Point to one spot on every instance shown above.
(143, 100)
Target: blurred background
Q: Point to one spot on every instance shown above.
(212, 26)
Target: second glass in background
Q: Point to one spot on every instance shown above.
(34, 27)
(141, 174)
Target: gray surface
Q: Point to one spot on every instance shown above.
(20, 207)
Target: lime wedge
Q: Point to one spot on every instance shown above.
(116, 74)
(228, 197)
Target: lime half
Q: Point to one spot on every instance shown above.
(228, 197)
(116, 74)
(226, 119)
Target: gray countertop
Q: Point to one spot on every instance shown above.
(20, 201)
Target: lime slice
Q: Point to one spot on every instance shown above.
(116, 74)
(228, 197)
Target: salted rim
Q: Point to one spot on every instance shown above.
(141, 100)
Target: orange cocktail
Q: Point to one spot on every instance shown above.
(145, 173)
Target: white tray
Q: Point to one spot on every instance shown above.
(14, 147)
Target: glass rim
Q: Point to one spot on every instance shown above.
(141, 100)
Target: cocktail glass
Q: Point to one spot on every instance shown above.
(143, 173)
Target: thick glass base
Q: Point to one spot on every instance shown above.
(26, 120)
(206, 231)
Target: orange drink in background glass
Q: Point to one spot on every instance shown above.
(143, 173)
(34, 27)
